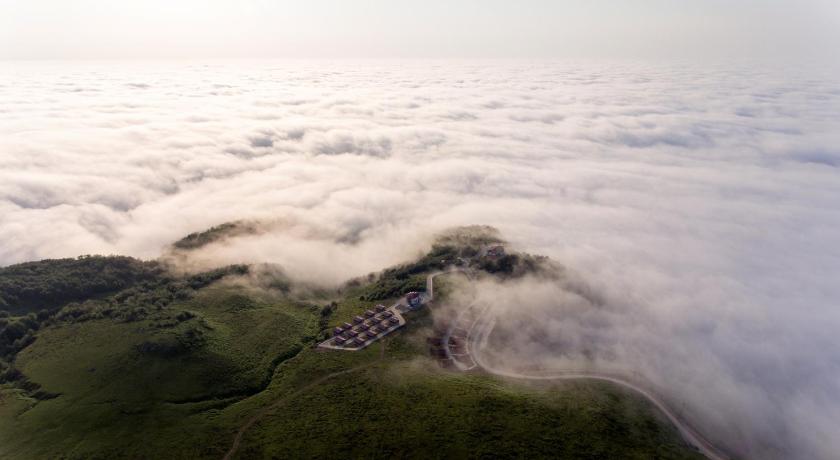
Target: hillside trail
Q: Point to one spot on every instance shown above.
(237, 440)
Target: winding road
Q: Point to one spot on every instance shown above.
(483, 325)
(477, 336)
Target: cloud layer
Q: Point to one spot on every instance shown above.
(701, 200)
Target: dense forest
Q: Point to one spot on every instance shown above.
(53, 283)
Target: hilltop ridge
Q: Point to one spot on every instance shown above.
(147, 362)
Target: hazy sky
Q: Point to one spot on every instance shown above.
(38, 29)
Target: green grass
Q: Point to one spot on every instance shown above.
(180, 381)
(406, 410)
(114, 397)
(404, 406)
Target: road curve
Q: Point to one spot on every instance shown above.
(477, 339)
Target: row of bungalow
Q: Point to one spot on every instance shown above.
(364, 328)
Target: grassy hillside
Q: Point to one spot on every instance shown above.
(120, 383)
(399, 404)
(174, 367)
(403, 412)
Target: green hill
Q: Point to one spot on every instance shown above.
(148, 364)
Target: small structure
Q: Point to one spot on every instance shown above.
(379, 308)
(369, 313)
(362, 327)
(358, 320)
(352, 333)
(413, 298)
(340, 340)
(387, 314)
(347, 326)
(374, 331)
(393, 320)
(358, 341)
(385, 325)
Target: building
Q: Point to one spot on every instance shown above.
(340, 340)
(347, 326)
(352, 333)
(369, 313)
(413, 298)
(393, 320)
(358, 320)
(337, 331)
(374, 330)
(379, 308)
(387, 314)
(385, 325)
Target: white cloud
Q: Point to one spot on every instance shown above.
(701, 201)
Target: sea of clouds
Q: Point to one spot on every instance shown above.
(701, 201)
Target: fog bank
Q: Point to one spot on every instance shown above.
(701, 201)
